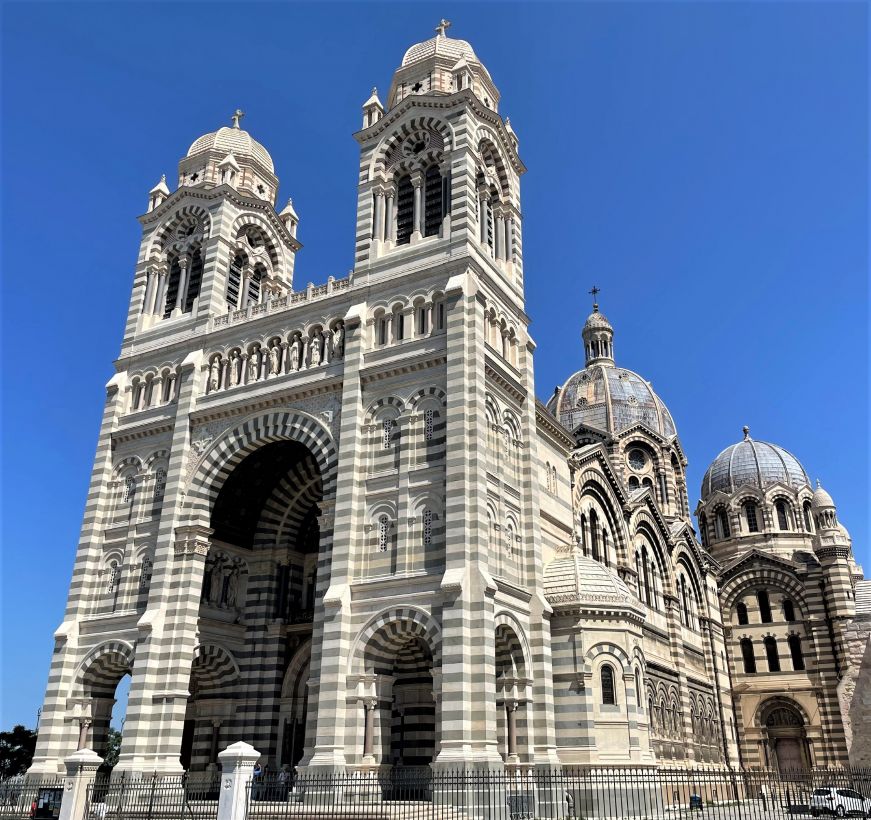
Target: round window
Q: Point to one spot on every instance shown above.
(637, 459)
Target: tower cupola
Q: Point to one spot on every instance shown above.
(158, 194)
(824, 509)
(230, 156)
(598, 336)
(289, 217)
(373, 110)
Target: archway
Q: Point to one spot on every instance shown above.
(786, 735)
(511, 698)
(258, 597)
(399, 657)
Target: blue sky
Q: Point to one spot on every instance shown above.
(704, 164)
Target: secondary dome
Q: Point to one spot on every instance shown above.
(757, 463)
(576, 580)
(612, 399)
(233, 140)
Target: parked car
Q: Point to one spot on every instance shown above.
(842, 802)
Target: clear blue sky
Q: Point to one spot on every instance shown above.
(704, 164)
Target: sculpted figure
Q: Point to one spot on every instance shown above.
(233, 588)
(235, 369)
(294, 354)
(215, 374)
(254, 366)
(315, 348)
(215, 584)
(339, 341)
(225, 584)
(274, 359)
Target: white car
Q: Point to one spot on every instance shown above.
(840, 802)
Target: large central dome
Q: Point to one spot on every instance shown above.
(605, 396)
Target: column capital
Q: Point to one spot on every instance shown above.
(192, 540)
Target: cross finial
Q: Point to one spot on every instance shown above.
(237, 115)
(442, 27)
(594, 293)
(746, 431)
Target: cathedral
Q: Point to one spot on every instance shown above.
(334, 521)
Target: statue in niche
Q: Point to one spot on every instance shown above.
(253, 366)
(235, 369)
(293, 359)
(215, 374)
(207, 584)
(215, 583)
(315, 349)
(274, 359)
(233, 588)
(227, 574)
(339, 341)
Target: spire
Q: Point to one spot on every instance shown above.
(598, 335)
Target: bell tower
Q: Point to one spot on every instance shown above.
(439, 168)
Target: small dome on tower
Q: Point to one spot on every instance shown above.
(821, 498)
(233, 140)
(756, 463)
(440, 46)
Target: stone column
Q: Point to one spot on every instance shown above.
(390, 217)
(149, 291)
(418, 213)
(81, 770)
(246, 287)
(378, 216)
(237, 770)
(369, 732)
(499, 237)
(181, 296)
(213, 748)
(509, 238)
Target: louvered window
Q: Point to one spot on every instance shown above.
(427, 527)
(428, 424)
(433, 212)
(234, 282)
(404, 210)
(383, 533)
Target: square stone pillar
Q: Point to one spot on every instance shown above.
(237, 770)
(81, 769)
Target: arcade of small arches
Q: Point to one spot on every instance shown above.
(751, 513)
(406, 319)
(154, 388)
(275, 356)
(755, 606)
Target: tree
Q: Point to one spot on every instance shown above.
(16, 750)
(113, 747)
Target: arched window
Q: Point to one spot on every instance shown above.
(383, 533)
(553, 482)
(145, 574)
(433, 209)
(722, 520)
(234, 281)
(609, 696)
(788, 610)
(427, 527)
(159, 484)
(428, 424)
(684, 609)
(114, 578)
(782, 515)
(741, 612)
(404, 210)
(703, 529)
(594, 535)
(795, 652)
(748, 656)
(387, 433)
(129, 489)
(764, 606)
(638, 687)
(633, 483)
(771, 654)
(750, 513)
(808, 518)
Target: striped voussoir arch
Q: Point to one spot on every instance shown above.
(754, 578)
(247, 436)
(432, 391)
(381, 639)
(388, 153)
(213, 666)
(610, 649)
(511, 639)
(103, 667)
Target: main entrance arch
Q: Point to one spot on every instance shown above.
(786, 733)
(261, 488)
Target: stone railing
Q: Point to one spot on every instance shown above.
(283, 302)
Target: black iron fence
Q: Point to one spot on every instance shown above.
(567, 794)
(25, 797)
(128, 796)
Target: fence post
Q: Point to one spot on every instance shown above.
(237, 770)
(81, 771)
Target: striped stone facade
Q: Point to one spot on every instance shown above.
(334, 522)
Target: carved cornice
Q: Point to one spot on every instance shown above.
(505, 380)
(192, 540)
(544, 419)
(375, 372)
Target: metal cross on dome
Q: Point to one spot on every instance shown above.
(594, 293)
(442, 27)
(237, 115)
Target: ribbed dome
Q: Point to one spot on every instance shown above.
(234, 141)
(612, 399)
(757, 463)
(578, 580)
(440, 46)
(822, 498)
